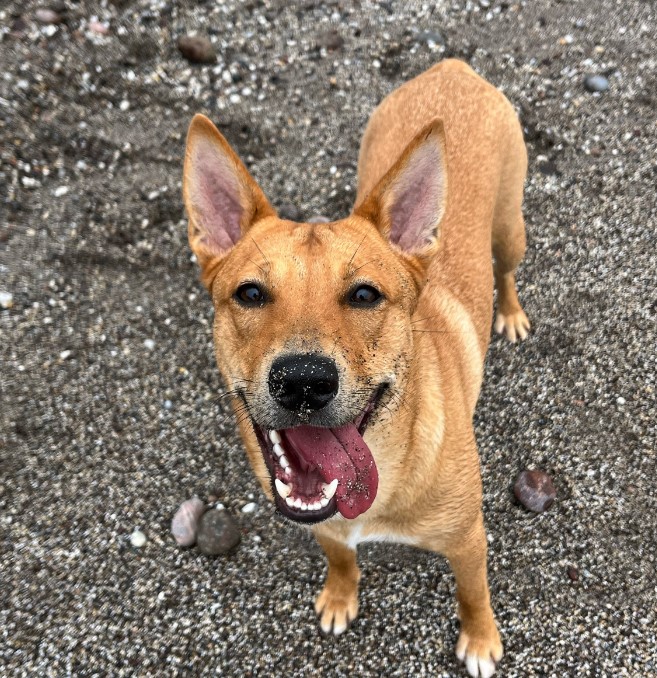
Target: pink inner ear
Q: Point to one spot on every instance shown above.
(418, 198)
(216, 198)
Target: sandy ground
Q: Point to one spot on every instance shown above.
(111, 415)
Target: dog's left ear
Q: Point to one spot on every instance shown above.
(409, 202)
(222, 198)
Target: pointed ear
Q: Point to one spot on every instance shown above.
(222, 198)
(409, 202)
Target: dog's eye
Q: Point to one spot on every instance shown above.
(250, 294)
(364, 295)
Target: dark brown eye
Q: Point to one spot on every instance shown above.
(249, 294)
(364, 295)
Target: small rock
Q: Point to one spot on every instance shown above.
(620, 400)
(573, 573)
(430, 37)
(149, 344)
(98, 27)
(318, 219)
(65, 355)
(330, 40)
(47, 16)
(184, 525)
(535, 490)
(596, 83)
(6, 299)
(249, 508)
(167, 404)
(60, 191)
(197, 49)
(138, 539)
(289, 211)
(217, 533)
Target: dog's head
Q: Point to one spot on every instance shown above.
(312, 328)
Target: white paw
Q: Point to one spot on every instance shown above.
(514, 325)
(479, 664)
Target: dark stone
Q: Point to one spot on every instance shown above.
(549, 168)
(573, 573)
(289, 211)
(196, 49)
(217, 533)
(596, 83)
(535, 490)
(330, 40)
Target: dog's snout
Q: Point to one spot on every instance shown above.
(305, 381)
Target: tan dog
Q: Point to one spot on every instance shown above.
(354, 350)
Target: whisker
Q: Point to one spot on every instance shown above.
(264, 256)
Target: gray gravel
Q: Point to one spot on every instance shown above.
(111, 412)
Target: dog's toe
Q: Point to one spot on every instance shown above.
(336, 611)
(513, 325)
(479, 655)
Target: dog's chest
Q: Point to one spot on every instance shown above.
(359, 535)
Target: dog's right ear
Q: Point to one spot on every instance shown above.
(222, 199)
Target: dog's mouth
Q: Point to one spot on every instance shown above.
(318, 471)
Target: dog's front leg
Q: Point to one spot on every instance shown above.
(479, 644)
(337, 604)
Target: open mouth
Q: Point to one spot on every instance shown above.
(318, 471)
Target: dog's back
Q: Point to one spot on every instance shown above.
(486, 166)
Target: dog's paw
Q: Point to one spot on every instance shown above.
(513, 325)
(479, 654)
(336, 610)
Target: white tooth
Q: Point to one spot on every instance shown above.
(278, 450)
(288, 471)
(323, 502)
(275, 437)
(284, 462)
(316, 506)
(297, 503)
(329, 490)
(282, 489)
(289, 501)
(304, 506)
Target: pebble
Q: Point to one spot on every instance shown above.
(250, 507)
(6, 299)
(535, 490)
(99, 27)
(217, 533)
(197, 49)
(289, 211)
(596, 83)
(573, 573)
(430, 37)
(65, 355)
(47, 16)
(60, 191)
(318, 219)
(149, 344)
(184, 525)
(330, 40)
(138, 539)
(620, 400)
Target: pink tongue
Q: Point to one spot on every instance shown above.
(340, 453)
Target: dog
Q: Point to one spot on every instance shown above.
(354, 350)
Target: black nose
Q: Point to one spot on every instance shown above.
(304, 381)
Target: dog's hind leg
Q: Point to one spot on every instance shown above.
(509, 239)
(337, 604)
